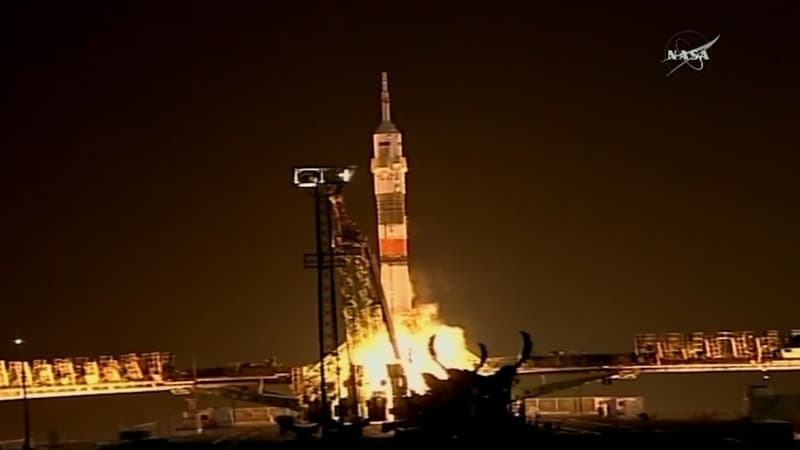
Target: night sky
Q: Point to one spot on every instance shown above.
(558, 182)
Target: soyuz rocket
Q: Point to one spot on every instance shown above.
(389, 167)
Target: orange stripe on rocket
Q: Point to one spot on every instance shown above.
(393, 247)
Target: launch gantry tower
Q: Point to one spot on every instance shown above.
(348, 287)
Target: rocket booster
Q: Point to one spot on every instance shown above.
(389, 168)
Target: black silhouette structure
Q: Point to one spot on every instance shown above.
(467, 403)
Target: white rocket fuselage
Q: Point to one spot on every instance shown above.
(389, 168)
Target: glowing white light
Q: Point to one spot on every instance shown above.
(346, 174)
(309, 177)
(18, 341)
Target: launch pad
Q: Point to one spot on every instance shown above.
(375, 361)
(381, 367)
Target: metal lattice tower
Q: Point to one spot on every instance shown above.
(325, 182)
(366, 310)
(349, 289)
(324, 261)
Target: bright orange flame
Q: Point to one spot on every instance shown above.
(413, 333)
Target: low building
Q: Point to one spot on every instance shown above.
(584, 406)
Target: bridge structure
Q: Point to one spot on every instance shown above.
(175, 387)
(131, 374)
(256, 387)
(631, 370)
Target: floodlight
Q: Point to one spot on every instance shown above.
(309, 177)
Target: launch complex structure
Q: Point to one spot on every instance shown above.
(385, 333)
(373, 365)
(383, 353)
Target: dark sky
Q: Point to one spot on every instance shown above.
(558, 183)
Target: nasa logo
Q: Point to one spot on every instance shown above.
(687, 49)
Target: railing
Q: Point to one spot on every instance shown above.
(186, 384)
(706, 367)
(78, 390)
(134, 387)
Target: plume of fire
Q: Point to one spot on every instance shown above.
(412, 332)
